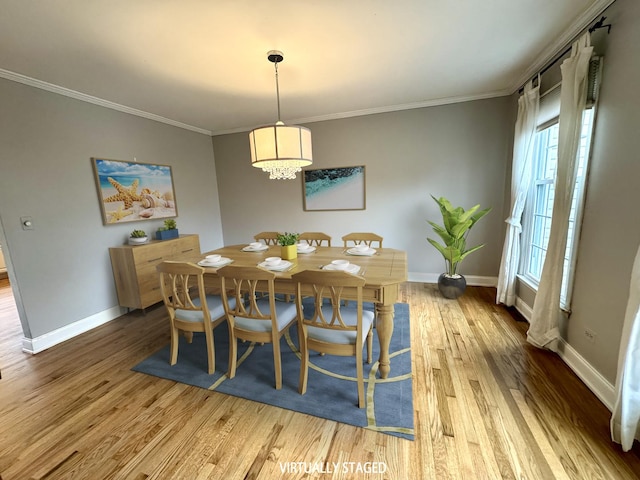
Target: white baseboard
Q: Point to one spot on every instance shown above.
(598, 385)
(38, 344)
(525, 310)
(472, 280)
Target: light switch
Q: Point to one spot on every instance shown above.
(27, 223)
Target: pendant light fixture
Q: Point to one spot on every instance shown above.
(279, 149)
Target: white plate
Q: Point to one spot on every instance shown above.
(281, 267)
(367, 253)
(223, 261)
(309, 249)
(352, 268)
(249, 249)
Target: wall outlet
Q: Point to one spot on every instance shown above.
(590, 335)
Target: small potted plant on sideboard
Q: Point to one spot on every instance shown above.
(288, 247)
(138, 237)
(169, 230)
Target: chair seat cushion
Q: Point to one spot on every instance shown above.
(216, 310)
(285, 312)
(342, 337)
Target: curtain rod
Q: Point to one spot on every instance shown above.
(596, 26)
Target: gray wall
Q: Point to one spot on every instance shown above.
(611, 224)
(60, 271)
(458, 151)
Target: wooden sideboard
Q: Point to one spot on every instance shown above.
(134, 268)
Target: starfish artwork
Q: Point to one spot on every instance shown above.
(132, 191)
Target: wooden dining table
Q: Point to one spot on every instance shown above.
(383, 272)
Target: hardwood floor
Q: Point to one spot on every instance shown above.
(487, 405)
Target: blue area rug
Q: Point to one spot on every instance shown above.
(331, 390)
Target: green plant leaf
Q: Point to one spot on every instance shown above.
(471, 250)
(442, 233)
(479, 215)
(469, 213)
(435, 244)
(460, 229)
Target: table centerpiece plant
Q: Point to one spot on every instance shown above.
(288, 247)
(456, 226)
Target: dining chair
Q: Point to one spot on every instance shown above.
(316, 238)
(252, 317)
(332, 328)
(190, 308)
(358, 238)
(269, 238)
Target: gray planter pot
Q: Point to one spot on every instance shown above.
(451, 286)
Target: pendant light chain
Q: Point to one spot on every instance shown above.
(277, 90)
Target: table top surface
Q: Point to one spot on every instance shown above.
(386, 267)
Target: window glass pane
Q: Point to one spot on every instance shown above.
(537, 219)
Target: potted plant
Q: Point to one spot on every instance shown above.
(137, 237)
(287, 242)
(169, 230)
(456, 226)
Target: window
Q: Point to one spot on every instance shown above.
(537, 214)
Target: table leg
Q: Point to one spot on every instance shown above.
(384, 326)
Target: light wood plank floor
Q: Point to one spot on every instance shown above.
(487, 405)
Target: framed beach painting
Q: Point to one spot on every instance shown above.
(334, 189)
(133, 191)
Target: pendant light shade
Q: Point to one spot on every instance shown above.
(279, 149)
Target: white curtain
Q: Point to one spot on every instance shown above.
(625, 421)
(525, 133)
(543, 330)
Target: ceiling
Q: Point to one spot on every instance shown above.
(202, 64)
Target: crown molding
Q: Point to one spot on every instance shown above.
(17, 77)
(577, 27)
(50, 87)
(376, 110)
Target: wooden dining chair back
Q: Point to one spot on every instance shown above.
(317, 239)
(332, 328)
(251, 316)
(269, 238)
(190, 308)
(366, 238)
